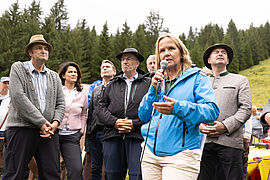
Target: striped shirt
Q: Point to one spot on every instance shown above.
(40, 83)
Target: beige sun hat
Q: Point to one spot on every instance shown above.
(38, 38)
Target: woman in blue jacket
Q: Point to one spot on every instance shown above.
(174, 113)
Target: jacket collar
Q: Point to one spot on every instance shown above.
(189, 72)
(141, 74)
(224, 73)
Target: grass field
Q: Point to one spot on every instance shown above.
(259, 80)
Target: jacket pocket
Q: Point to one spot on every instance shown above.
(229, 87)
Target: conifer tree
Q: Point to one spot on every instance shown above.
(196, 54)
(60, 15)
(256, 44)
(190, 40)
(84, 46)
(267, 36)
(232, 38)
(245, 54)
(140, 43)
(90, 42)
(54, 38)
(125, 37)
(12, 37)
(154, 28)
(104, 46)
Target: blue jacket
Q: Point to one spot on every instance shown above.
(91, 88)
(195, 104)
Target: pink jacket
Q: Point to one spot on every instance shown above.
(76, 113)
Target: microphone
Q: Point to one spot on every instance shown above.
(163, 66)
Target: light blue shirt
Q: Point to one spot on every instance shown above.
(40, 83)
(256, 124)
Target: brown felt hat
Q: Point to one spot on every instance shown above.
(211, 48)
(38, 38)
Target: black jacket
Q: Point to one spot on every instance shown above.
(112, 105)
(93, 123)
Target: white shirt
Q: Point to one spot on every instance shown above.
(248, 128)
(4, 109)
(129, 83)
(69, 96)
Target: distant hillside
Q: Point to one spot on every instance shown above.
(259, 80)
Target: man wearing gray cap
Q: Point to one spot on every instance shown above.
(4, 104)
(118, 112)
(222, 156)
(37, 108)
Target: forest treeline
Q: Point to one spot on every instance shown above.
(83, 45)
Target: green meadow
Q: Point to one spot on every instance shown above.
(259, 80)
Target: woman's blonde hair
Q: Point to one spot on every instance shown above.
(185, 60)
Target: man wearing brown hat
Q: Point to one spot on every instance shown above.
(118, 112)
(223, 150)
(37, 108)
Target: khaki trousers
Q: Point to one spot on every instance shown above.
(182, 166)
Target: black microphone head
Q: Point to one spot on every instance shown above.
(163, 65)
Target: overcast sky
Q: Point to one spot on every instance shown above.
(178, 15)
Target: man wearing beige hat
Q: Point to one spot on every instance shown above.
(223, 150)
(37, 108)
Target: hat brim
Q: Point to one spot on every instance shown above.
(211, 48)
(138, 55)
(35, 42)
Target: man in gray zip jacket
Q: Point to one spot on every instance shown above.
(223, 150)
(37, 108)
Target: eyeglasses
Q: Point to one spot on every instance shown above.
(128, 58)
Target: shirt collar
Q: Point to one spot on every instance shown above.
(167, 80)
(65, 90)
(133, 78)
(33, 69)
(223, 73)
(4, 97)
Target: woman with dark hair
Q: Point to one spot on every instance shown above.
(73, 125)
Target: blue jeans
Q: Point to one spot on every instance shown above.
(95, 150)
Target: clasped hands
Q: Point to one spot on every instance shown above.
(213, 129)
(124, 125)
(48, 129)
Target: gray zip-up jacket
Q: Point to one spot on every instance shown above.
(24, 109)
(234, 101)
